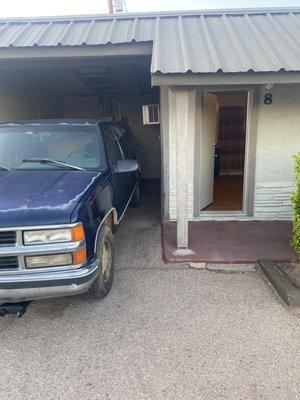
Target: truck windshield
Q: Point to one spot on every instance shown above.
(69, 146)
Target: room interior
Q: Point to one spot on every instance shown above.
(229, 152)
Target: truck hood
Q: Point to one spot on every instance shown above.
(41, 197)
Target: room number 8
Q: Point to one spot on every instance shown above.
(268, 99)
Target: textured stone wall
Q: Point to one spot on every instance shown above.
(273, 200)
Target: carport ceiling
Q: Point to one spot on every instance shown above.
(86, 79)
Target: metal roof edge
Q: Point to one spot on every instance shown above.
(228, 11)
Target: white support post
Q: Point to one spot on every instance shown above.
(185, 114)
(165, 148)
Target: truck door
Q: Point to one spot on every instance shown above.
(128, 153)
(119, 180)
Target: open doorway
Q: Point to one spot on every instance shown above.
(225, 124)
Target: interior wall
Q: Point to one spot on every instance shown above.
(50, 106)
(278, 139)
(18, 102)
(231, 112)
(232, 99)
(82, 107)
(129, 107)
(231, 140)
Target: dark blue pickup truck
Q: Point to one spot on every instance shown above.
(64, 187)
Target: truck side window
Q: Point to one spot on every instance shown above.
(112, 147)
(127, 142)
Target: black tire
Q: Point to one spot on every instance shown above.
(136, 197)
(103, 283)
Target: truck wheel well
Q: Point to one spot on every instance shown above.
(111, 219)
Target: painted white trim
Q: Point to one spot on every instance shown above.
(165, 143)
(250, 152)
(221, 214)
(223, 217)
(182, 128)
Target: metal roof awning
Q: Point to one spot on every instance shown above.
(227, 41)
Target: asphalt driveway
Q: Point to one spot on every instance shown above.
(164, 332)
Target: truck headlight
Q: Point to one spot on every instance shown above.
(51, 260)
(78, 257)
(48, 236)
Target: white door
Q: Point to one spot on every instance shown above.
(207, 149)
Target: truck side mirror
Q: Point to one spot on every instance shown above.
(126, 166)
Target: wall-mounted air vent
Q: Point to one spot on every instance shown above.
(150, 114)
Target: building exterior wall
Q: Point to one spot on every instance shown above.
(278, 138)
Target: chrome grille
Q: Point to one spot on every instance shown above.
(9, 262)
(7, 237)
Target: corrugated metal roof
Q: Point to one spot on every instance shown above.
(197, 41)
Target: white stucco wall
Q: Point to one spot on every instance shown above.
(278, 138)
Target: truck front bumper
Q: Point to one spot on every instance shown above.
(41, 285)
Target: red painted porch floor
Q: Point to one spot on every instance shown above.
(232, 241)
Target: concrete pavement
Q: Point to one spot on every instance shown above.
(161, 334)
(164, 332)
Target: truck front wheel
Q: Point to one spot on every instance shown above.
(106, 254)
